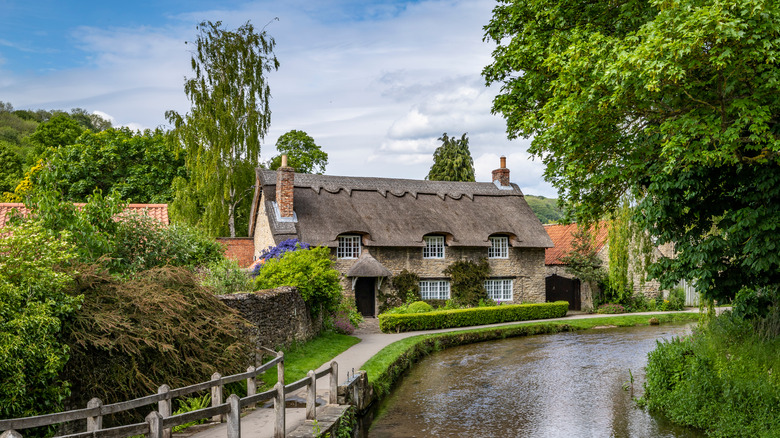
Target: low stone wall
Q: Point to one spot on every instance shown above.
(278, 316)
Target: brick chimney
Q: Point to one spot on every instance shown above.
(501, 175)
(285, 181)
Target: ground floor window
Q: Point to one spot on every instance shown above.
(499, 289)
(435, 289)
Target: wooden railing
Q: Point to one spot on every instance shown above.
(159, 423)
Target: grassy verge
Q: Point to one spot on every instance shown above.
(386, 366)
(724, 379)
(301, 358)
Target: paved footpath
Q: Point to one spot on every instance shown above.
(260, 423)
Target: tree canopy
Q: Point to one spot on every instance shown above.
(452, 160)
(673, 103)
(139, 166)
(303, 154)
(229, 117)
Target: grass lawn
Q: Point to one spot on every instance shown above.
(300, 358)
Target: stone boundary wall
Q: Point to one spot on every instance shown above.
(278, 316)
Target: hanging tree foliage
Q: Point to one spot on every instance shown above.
(229, 117)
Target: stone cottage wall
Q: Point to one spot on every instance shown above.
(278, 316)
(525, 266)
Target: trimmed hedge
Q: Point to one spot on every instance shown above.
(440, 319)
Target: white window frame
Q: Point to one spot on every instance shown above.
(499, 247)
(434, 289)
(499, 289)
(434, 247)
(349, 247)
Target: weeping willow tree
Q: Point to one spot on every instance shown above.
(630, 254)
(452, 160)
(221, 134)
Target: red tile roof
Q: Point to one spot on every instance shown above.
(563, 236)
(155, 211)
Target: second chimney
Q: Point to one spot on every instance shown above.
(501, 175)
(285, 182)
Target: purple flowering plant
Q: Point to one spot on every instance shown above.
(276, 252)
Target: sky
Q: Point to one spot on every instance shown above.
(374, 82)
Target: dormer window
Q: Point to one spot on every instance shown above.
(349, 247)
(499, 247)
(434, 247)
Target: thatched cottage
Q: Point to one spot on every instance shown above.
(376, 227)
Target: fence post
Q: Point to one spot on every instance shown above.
(280, 368)
(279, 405)
(155, 424)
(164, 407)
(311, 396)
(251, 386)
(216, 395)
(11, 434)
(234, 417)
(96, 422)
(334, 383)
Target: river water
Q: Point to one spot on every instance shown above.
(573, 384)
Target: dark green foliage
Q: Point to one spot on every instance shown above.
(161, 326)
(405, 286)
(439, 319)
(139, 166)
(467, 285)
(303, 154)
(723, 221)
(311, 272)
(10, 168)
(546, 209)
(452, 160)
(60, 130)
(721, 379)
(34, 278)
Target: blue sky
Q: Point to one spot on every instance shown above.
(375, 83)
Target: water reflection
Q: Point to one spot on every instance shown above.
(562, 385)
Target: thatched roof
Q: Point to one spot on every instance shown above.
(399, 212)
(367, 266)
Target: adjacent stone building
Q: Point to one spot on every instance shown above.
(376, 227)
(560, 284)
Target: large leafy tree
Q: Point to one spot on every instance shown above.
(139, 166)
(452, 160)
(303, 154)
(229, 117)
(674, 103)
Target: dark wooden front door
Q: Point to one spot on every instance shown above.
(364, 295)
(563, 289)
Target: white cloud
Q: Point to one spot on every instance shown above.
(375, 93)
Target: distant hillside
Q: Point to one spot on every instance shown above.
(546, 209)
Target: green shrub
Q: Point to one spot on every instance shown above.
(468, 281)
(419, 307)
(311, 272)
(721, 379)
(403, 322)
(34, 278)
(404, 285)
(225, 277)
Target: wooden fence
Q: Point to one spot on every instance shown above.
(159, 423)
